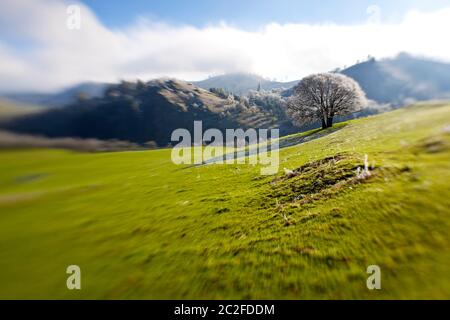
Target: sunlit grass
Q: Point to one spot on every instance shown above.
(141, 227)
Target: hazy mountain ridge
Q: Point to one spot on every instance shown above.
(397, 80)
(391, 80)
(60, 98)
(242, 83)
(402, 79)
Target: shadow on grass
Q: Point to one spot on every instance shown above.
(282, 143)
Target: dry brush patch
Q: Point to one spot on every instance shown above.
(302, 188)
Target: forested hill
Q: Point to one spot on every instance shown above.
(141, 112)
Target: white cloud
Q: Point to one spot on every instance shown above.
(38, 51)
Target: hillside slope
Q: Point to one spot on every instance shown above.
(140, 227)
(390, 80)
(141, 112)
(397, 80)
(60, 98)
(402, 79)
(10, 110)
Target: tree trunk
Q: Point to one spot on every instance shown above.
(329, 122)
(324, 125)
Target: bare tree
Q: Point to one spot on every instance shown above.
(320, 97)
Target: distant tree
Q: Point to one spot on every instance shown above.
(322, 96)
(268, 101)
(244, 101)
(220, 92)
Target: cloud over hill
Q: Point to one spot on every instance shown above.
(39, 52)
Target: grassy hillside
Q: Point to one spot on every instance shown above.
(141, 227)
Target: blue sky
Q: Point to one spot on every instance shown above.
(191, 40)
(252, 14)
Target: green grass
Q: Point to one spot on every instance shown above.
(141, 227)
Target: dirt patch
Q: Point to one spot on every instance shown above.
(319, 179)
(433, 144)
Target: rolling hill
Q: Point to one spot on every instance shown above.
(140, 112)
(60, 98)
(11, 109)
(398, 80)
(402, 79)
(141, 227)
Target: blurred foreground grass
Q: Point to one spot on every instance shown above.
(141, 227)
